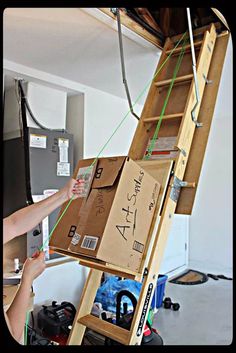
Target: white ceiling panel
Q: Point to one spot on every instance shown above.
(73, 44)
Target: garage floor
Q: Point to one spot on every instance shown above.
(205, 315)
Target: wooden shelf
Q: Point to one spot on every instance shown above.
(101, 265)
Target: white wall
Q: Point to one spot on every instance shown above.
(49, 103)
(211, 233)
(103, 114)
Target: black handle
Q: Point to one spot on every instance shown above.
(54, 308)
(121, 294)
(69, 306)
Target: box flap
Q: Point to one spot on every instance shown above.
(107, 171)
(95, 211)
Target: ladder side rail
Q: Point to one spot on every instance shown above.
(93, 282)
(187, 126)
(157, 253)
(149, 282)
(205, 116)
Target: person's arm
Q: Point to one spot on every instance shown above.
(16, 314)
(28, 217)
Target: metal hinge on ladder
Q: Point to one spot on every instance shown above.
(176, 187)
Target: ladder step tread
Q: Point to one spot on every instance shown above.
(165, 117)
(105, 328)
(178, 79)
(187, 47)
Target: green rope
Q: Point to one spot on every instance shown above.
(116, 129)
(153, 140)
(26, 328)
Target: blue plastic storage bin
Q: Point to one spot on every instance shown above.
(159, 292)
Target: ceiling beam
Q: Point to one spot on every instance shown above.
(130, 29)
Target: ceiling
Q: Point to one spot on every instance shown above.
(73, 44)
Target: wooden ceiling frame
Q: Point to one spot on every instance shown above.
(140, 30)
(134, 26)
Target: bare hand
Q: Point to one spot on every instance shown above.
(33, 267)
(74, 188)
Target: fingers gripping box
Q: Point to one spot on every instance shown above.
(111, 223)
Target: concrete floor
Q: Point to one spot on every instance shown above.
(205, 316)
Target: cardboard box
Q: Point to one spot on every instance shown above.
(112, 222)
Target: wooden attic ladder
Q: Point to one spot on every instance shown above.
(175, 196)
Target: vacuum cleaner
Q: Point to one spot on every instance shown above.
(150, 335)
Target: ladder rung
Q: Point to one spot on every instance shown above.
(105, 328)
(184, 78)
(165, 117)
(187, 47)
